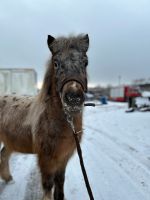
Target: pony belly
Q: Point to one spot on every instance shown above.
(22, 149)
(17, 144)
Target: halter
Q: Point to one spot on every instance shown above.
(79, 80)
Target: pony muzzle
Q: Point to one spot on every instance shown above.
(72, 96)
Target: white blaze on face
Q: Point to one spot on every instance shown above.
(74, 85)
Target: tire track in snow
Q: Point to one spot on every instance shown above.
(113, 183)
(34, 188)
(128, 148)
(133, 169)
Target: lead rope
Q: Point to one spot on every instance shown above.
(75, 134)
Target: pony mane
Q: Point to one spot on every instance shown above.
(46, 86)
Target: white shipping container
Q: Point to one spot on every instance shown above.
(117, 92)
(18, 81)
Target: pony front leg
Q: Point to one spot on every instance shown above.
(47, 176)
(4, 165)
(59, 185)
(47, 182)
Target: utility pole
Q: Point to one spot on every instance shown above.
(119, 80)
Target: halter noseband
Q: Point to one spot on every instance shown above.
(78, 80)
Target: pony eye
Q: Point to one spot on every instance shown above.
(56, 64)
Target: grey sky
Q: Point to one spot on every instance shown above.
(119, 32)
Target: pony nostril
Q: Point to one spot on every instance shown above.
(74, 98)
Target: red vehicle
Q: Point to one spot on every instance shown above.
(124, 93)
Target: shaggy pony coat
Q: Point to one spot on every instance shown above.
(38, 124)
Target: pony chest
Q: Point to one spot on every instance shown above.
(65, 147)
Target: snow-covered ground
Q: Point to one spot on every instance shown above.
(116, 150)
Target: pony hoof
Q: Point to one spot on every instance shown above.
(11, 182)
(47, 198)
(9, 179)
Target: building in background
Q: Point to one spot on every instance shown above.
(19, 81)
(143, 83)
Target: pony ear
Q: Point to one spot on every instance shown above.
(50, 40)
(85, 42)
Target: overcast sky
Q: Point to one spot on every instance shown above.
(119, 32)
